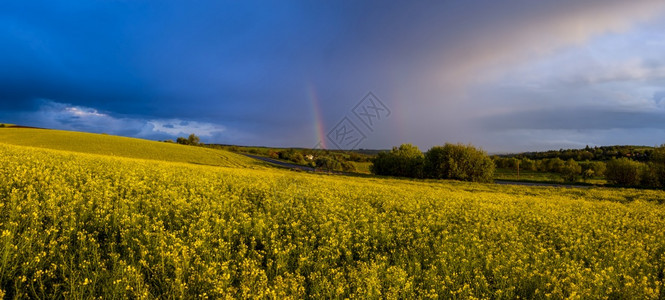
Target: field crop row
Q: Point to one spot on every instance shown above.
(81, 225)
(118, 146)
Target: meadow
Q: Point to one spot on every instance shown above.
(541, 177)
(88, 225)
(362, 167)
(536, 176)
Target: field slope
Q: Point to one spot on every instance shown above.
(122, 146)
(80, 225)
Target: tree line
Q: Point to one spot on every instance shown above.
(191, 140)
(622, 170)
(628, 172)
(626, 166)
(569, 170)
(602, 153)
(450, 161)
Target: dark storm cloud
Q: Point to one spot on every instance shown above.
(248, 72)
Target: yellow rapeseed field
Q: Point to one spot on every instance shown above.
(79, 225)
(123, 147)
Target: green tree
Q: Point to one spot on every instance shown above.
(588, 174)
(193, 140)
(554, 165)
(500, 162)
(292, 155)
(404, 161)
(623, 171)
(527, 164)
(658, 164)
(347, 166)
(649, 175)
(458, 161)
(328, 164)
(598, 168)
(570, 171)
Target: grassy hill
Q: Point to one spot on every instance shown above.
(122, 146)
(81, 225)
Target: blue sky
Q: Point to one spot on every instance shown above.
(508, 76)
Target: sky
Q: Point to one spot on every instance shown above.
(506, 76)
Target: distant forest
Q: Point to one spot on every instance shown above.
(637, 166)
(602, 153)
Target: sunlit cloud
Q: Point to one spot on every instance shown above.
(543, 30)
(84, 112)
(180, 127)
(57, 115)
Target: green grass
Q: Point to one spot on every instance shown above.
(362, 167)
(537, 176)
(511, 174)
(123, 147)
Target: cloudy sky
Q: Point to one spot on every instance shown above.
(503, 75)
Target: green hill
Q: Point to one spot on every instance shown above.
(122, 146)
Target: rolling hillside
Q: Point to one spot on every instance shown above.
(123, 147)
(81, 225)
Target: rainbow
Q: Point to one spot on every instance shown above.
(318, 119)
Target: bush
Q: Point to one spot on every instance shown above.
(588, 174)
(358, 157)
(332, 163)
(192, 140)
(658, 164)
(457, 161)
(292, 155)
(598, 168)
(405, 161)
(649, 175)
(623, 171)
(570, 171)
(328, 164)
(505, 162)
(348, 166)
(553, 165)
(527, 164)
